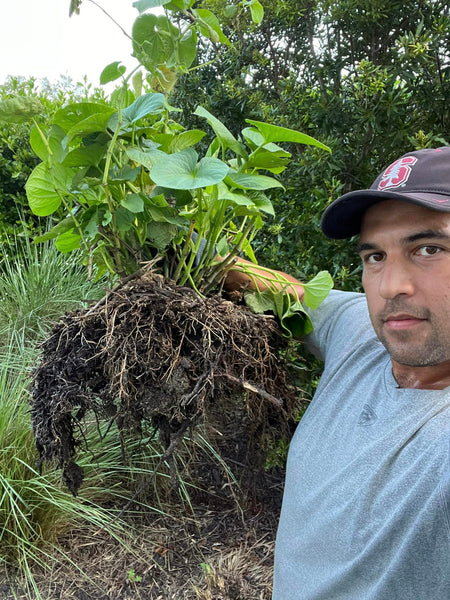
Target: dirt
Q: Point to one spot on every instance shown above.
(216, 551)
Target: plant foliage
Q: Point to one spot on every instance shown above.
(130, 183)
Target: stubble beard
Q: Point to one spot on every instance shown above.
(409, 348)
(413, 353)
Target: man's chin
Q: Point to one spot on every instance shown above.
(421, 358)
(410, 353)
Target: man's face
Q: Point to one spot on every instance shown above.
(405, 251)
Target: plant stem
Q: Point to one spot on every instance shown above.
(184, 253)
(222, 267)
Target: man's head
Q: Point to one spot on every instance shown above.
(421, 177)
(404, 226)
(405, 249)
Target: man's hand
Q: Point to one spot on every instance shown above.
(245, 275)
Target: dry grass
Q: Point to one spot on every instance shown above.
(213, 555)
(243, 573)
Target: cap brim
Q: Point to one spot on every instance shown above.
(342, 219)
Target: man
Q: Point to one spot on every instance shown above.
(366, 507)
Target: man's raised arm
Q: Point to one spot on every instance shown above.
(245, 275)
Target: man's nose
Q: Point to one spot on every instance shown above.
(395, 279)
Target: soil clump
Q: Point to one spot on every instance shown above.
(158, 357)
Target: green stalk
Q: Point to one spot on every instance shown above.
(188, 268)
(211, 242)
(184, 253)
(225, 265)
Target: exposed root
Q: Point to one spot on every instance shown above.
(154, 355)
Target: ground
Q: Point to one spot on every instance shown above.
(214, 553)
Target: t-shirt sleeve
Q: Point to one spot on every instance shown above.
(341, 321)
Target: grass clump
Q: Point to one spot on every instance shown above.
(37, 286)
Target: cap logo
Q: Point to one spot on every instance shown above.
(397, 173)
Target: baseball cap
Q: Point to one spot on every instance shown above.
(420, 177)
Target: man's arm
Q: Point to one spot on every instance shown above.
(245, 275)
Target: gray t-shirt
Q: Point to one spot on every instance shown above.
(366, 507)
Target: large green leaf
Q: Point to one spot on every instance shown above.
(48, 143)
(180, 4)
(269, 161)
(154, 40)
(187, 49)
(161, 234)
(66, 242)
(186, 140)
(20, 109)
(294, 321)
(291, 315)
(224, 193)
(181, 171)
(85, 156)
(262, 202)
(93, 124)
(163, 141)
(133, 202)
(65, 225)
(126, 173)
(166, 215)
(148, 159)
(256, 140)
(225, 136)
(317, 289)
(124, 218)
(260, 302)
(72, 115)
(248, 181)
(45, 188)
(144, 106)
(209, 25)
(273, 133)
(148, 104)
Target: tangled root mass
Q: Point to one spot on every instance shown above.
(153, 355)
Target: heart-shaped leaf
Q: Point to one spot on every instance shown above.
(112, 72)
(317, 289)
(46, 187)
(181, 171)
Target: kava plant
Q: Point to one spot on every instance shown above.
(129, 190)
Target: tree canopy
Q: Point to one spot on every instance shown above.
(368, 78)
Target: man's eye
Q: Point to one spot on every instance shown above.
(428, 250)
(373, 258)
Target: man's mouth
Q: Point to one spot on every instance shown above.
(402, 321)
